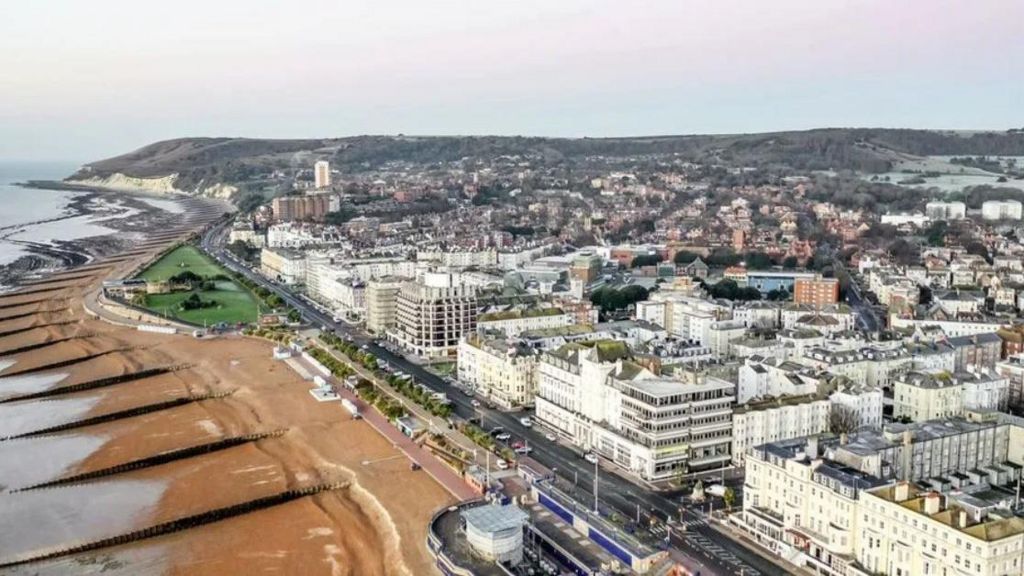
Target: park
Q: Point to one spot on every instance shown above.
(197, 290)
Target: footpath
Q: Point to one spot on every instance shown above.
(439, 470)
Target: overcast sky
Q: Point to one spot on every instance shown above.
(82, 80)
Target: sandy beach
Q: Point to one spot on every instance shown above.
(116, 396)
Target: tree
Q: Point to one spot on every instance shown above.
(340, 217)
(645, 260)
(685, 257)
(729, 497)
(978, 249)
(187, 277)
(610, 299)
(842, 420)
(758, 261)
(240, 249)
(936, 233)
(250, 201)
(723, 257)
(904, 252)
(729, 290)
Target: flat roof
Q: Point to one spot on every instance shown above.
(494, 517)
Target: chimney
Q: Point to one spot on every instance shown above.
(812, 447)
(902, 491)
(932, 503)
(908, 438)
(961, 519)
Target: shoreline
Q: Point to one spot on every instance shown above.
(65, 186)
(46, 258)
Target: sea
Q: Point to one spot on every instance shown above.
(24, 211)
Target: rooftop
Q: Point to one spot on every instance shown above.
(494, 518)
(519, 313)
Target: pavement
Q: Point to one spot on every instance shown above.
(615, 493)
(440, 472)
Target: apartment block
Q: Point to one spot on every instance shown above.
(432, 313)
(649, 425)
(816, 291)
(514, 322)
(283, 265)
(382, 303)
(502, 370)
(866, 504)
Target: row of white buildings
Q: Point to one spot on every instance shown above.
(932, 498)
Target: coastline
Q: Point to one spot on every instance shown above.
(133, 219)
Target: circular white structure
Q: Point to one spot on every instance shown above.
(496, 532)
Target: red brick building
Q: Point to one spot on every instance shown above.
(817, 292)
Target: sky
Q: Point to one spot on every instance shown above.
(83, 80)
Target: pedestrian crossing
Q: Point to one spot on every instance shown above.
(662, 529)
(710, 548)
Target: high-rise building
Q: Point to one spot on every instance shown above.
(945, 210)
(311, 207)
(381, 302)
(1001, 210)
(322, 174)
(432, 313)
(816, 291)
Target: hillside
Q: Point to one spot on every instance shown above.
(219, 166)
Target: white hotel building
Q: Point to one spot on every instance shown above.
(498, 369)
(934, 499)
(651, 426)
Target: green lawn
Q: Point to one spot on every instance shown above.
(234, 303)
(179, 260)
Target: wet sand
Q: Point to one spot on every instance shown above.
(374, 522)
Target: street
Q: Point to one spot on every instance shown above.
(615, 492)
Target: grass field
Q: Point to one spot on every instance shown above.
(179, 260)
(234, 303)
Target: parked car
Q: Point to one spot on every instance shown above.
(715, 490)
(474, 403)
(590, 457)
(550, 437)
(524, 450)
(501, 465)
(496, 430)
(503, 437)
